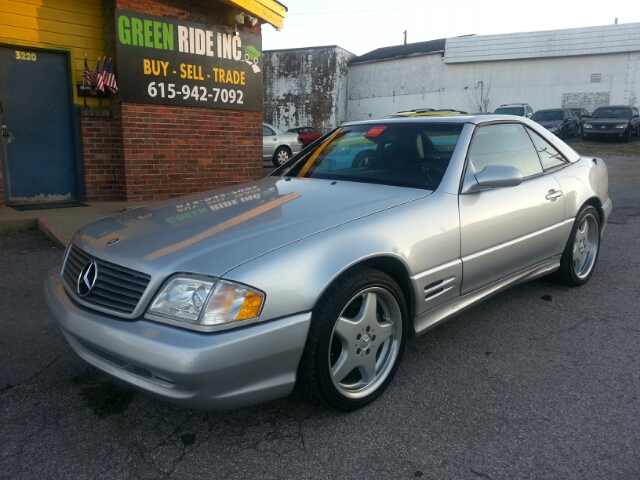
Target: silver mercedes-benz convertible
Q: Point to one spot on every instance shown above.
(319, 273)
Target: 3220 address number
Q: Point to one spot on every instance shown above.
(202, 94)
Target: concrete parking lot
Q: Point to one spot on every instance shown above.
(542, 381)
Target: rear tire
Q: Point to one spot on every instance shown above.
(581, 252)
(356, 340)
(282, 156)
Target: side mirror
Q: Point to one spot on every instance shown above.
(495, 176)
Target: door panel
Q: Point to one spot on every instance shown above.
(508, 229)
(35, 93)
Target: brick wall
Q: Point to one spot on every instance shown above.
(102, 155)
(169, 151)
(172, 151)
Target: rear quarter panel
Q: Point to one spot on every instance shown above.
(586, 180)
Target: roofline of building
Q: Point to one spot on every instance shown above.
(270, 11)
(320, 47)
(402, 51)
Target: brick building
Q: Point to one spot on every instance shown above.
(184, 116)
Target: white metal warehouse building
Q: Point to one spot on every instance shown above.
(579, 67)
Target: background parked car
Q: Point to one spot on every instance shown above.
(582, 114)
(307, 135)
(559, 121)
(618, 121)
(278, 146)
(520, 109)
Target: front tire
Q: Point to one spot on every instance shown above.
(581, 252)
(282, 156)
(356, 340)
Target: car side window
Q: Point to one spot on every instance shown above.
(549, 156)
(504, 144)
(267, 132)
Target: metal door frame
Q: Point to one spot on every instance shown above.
(75, 127)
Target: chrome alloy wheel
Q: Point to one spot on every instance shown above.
(365, 342)
(282, 156)
(585, 246)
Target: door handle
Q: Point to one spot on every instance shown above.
(553, 194)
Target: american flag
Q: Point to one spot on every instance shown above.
(109, 77)
(97, 75)
(86, 75)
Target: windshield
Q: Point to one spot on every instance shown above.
(510, 111)
(611, 113)
(411, 155)
(548, 116)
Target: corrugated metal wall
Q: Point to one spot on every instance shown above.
(605, 39)
(563, 68)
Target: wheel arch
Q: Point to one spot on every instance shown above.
(396, 270)
(597, 204)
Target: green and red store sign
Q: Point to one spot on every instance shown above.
(173, 62)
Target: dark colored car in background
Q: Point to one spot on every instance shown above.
(616, 121)
(559, 121)
(307, 135)
(582, 115)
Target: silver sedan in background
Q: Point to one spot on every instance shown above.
(321, 272)
(277, 146)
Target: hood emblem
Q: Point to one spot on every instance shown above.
(87, 279)
(112, 241)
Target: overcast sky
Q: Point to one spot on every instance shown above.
(360, 26)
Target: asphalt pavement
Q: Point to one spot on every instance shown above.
(541, 382)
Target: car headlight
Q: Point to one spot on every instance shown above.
(586, 125)
(207, 302)
(553, 129)
(623, 125)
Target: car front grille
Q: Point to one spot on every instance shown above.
(117, 288)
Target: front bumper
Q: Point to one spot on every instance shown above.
(605, 132)
(208, 371)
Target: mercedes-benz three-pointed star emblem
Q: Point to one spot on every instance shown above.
(87, 279)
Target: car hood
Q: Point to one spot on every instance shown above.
(607, 121)
(212, 232)
(550, 123)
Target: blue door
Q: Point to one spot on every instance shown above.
(39, 156)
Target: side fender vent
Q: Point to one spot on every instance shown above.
(439, 287)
